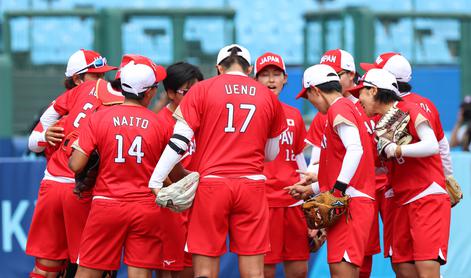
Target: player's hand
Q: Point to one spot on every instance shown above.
(321, 233)
(54, 134)
(299, 191)
(155, 191)
(391, 150)
(307, 177)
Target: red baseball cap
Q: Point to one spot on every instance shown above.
(393, 62)
(339, 60)
(269, 59)
(139, 73)
(160, 72)
(87, 61)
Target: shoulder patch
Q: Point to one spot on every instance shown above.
(339, 119)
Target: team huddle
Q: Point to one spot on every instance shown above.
(224, 158)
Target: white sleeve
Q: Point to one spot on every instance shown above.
(350, 137)
(49, 117)
(444, 148)
(301, 162)
(313, 166)
(427, 145)
(272, 148)
(170, 157)
(315, 188)
(315, 156)
(37, 141)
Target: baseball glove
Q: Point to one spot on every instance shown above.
(324, 209)
(316, 240)
(392, 128)
(85, 180)
(454, 190)
(179, 196)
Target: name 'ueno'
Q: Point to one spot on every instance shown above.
(238, 89)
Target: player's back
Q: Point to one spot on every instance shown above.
(232, 116)
(333, 150)
(430, 109)
(129, 141)
(78, 103)
(412, 175)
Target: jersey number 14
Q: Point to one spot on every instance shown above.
(134, 150)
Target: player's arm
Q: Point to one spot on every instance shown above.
(52, 134)
(77, 160)
(37, 141)
(444, 149)
(350, 136)
(313, 167)
(301, 162)
(83, 146)
(45, 131)
(272, 148)
(176, 147)
(178, 172)
(427, 146)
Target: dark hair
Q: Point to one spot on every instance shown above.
(330, 87)
(116, 85)
(133, 96)
(180, 73)
(467, 138)
(356, 78)
(404, 87)
(386, 96)
(466, 107)
(234, 58)
(69, 81)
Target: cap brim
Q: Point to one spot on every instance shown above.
(355, 91)
(161, 73)
(105, 68)
(302, 93)
(367, 66)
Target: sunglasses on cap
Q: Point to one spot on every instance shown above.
(97, 63)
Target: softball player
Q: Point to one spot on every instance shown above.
(288, 229)
(123, 215)
(59, 216)
(346, 167)
(402, 71)
(180, 78)
(236, 122)
(422, 213)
